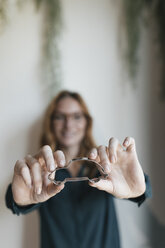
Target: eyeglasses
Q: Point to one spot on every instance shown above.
(60, 117)
(89, 166)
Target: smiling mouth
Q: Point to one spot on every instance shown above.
(67, 135)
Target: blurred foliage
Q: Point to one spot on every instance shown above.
(134, 18)
(52, 26)
(3, 10)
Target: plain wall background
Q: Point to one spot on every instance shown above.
(91, 64)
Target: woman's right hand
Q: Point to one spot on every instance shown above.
(30, 181)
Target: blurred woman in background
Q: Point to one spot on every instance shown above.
(79, 214)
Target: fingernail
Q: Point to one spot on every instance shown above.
(62, 162)
(113, 159)
(38, 190)
(92, 155)
(107, 169)
(29, 186)
(92, 184)
(51, 176)
(126, 143)
(94, 180)
(52, 167)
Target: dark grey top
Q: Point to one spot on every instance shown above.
(79, 216)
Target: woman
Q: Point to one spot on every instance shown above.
(80, 214)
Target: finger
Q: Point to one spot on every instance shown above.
(104, 160)
(53, 189)
(22, 169)
(47, 154)
(51, 176)
(59, 158)
(35, 169)
(46, 179)
(113, 145)
(102, 184)
(129, 144)
(93, 154)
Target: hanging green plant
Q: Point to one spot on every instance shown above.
(3, 14)
(52, 26)
(134, 14)
(159, 12)
(132, 11)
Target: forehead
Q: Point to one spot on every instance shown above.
(68, 105)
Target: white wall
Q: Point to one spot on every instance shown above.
(91, 64)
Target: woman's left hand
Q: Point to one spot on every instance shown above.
(125, 175)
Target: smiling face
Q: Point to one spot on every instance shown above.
(69, 123)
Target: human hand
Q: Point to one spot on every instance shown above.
(125, 175)
(30, 180)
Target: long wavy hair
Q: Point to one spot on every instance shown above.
(48, 137)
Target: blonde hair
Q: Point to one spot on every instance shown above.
(48, 137)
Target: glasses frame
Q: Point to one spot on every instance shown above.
(51, 176)
(66, 116)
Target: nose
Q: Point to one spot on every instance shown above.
(68, 122)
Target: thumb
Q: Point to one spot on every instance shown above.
(53, 189)
(103, 184)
